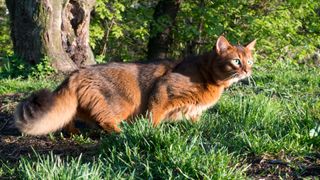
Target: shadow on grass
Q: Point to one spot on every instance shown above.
(13, 145)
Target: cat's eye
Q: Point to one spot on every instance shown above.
(250, 62)
(236, 62)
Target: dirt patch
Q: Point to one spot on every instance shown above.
(7, 104)
(13, 145)
(9, 101)
(284, 166)
(12, 148)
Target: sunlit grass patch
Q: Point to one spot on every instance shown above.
(258, 124)
(54, 167)
(19, 85)
(278, 113)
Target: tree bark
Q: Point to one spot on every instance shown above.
(58, 29)
(161, 37)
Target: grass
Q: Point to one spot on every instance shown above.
(53, 167)
(277, 115)
(20, 85)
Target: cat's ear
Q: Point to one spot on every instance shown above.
(251, 45)
(222, 44)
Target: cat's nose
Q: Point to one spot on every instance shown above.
(246, 72)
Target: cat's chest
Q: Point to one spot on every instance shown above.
(205, 100)
(192, 112)
(196, 110)
(209, 96)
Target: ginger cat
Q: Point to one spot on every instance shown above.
(113, 92)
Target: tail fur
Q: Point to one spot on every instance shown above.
(45, 111)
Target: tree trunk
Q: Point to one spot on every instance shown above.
(58, 29)
(161, 37)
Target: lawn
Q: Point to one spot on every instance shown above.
(268, 126)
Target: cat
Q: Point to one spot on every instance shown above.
(113, 92)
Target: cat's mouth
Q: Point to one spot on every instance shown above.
(237, 77)
(241, 76)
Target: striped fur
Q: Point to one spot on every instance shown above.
(113, 92)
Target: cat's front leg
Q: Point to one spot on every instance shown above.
(194, 114)
(195, 118)
(170, 110)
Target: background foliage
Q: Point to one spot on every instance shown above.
(5, 41)
(285, 30)
(275, 117)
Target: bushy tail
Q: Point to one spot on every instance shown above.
(45, 111)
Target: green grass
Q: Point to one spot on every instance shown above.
(54, 167)
(19, 85)
(280, 112)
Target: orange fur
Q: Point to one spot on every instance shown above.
(110, 93)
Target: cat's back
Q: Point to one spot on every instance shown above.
(118, 76)
(135, 69)
(123, 82)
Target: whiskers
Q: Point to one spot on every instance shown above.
(235, 76)
(232, 76)
(252, 81)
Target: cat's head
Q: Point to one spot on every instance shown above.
(232, 63)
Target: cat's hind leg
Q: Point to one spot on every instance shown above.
(107, 111)
(95, 104)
